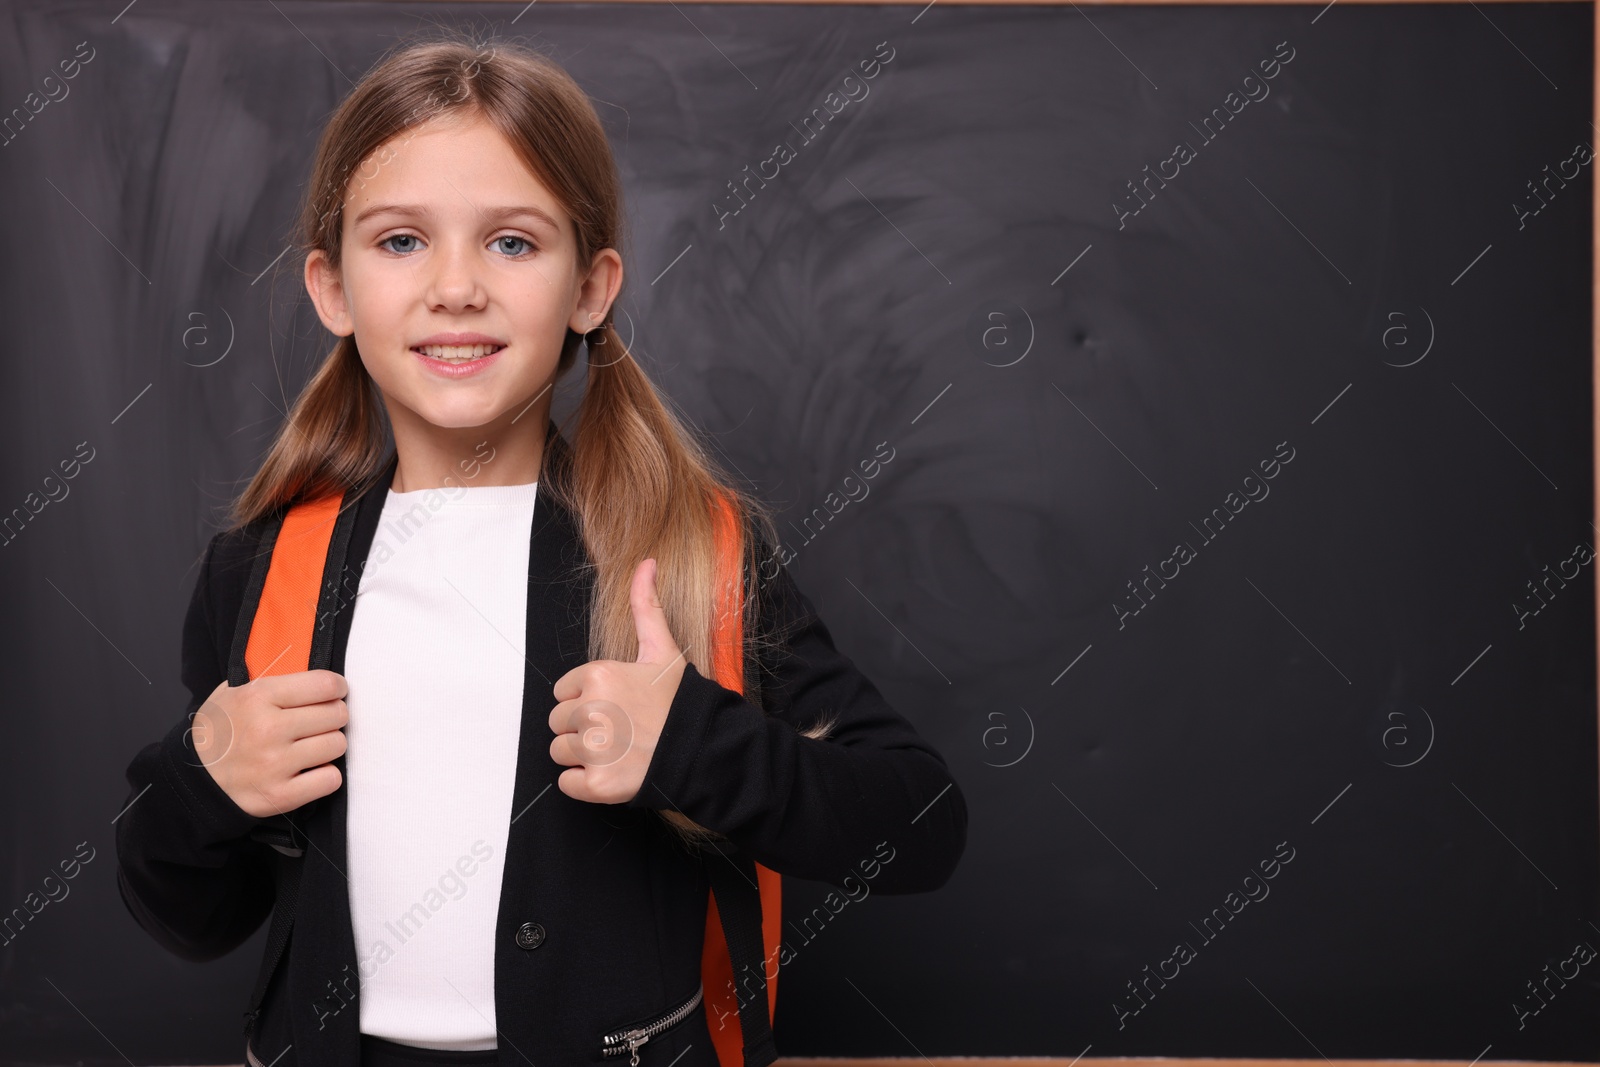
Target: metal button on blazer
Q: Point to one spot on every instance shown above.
(530, 935)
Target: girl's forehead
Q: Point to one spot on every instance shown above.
(446, 166)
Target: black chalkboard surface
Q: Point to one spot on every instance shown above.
(1223, 373)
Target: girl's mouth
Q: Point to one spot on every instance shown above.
(457, 361)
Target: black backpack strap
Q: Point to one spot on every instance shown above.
(733, 880)
(751, 609)
(286, 876)
(738, 890)
(283, 832)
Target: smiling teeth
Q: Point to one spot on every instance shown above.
(458, 353)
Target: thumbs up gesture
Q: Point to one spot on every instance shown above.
(611, 713)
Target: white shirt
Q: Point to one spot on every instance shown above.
(435, 668)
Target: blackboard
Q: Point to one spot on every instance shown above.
(1231, 531)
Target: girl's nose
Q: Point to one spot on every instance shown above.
(456, 281)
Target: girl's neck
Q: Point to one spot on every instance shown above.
(508, 451)
(492, 460)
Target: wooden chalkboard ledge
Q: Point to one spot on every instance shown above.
(1147, 1061)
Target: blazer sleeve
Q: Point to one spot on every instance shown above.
(871, 798)
(186, 868)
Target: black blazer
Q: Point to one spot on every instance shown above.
(602, 911)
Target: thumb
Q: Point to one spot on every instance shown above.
(656, 643)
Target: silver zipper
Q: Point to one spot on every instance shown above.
(629, 1040)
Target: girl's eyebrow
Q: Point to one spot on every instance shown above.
(496, 214)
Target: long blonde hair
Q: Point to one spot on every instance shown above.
(640, 484)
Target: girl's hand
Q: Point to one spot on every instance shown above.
(611, 713)
(270, 743)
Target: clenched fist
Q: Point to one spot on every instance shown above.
(270, 743)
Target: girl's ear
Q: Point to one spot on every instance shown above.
(597, 290)
(327, 294)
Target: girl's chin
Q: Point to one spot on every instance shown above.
(458, 413)
(477, 401)
(459, 420)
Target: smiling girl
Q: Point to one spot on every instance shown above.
(521, 686)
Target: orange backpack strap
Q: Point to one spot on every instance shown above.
(279, 634)
(742, 935)
(285, 626)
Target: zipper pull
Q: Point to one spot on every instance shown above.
(633, 1048)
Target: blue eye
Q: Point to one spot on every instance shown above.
(519, 240)
(398, 237)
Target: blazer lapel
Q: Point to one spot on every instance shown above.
(556, 641)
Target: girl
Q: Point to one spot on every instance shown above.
(533, 613)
